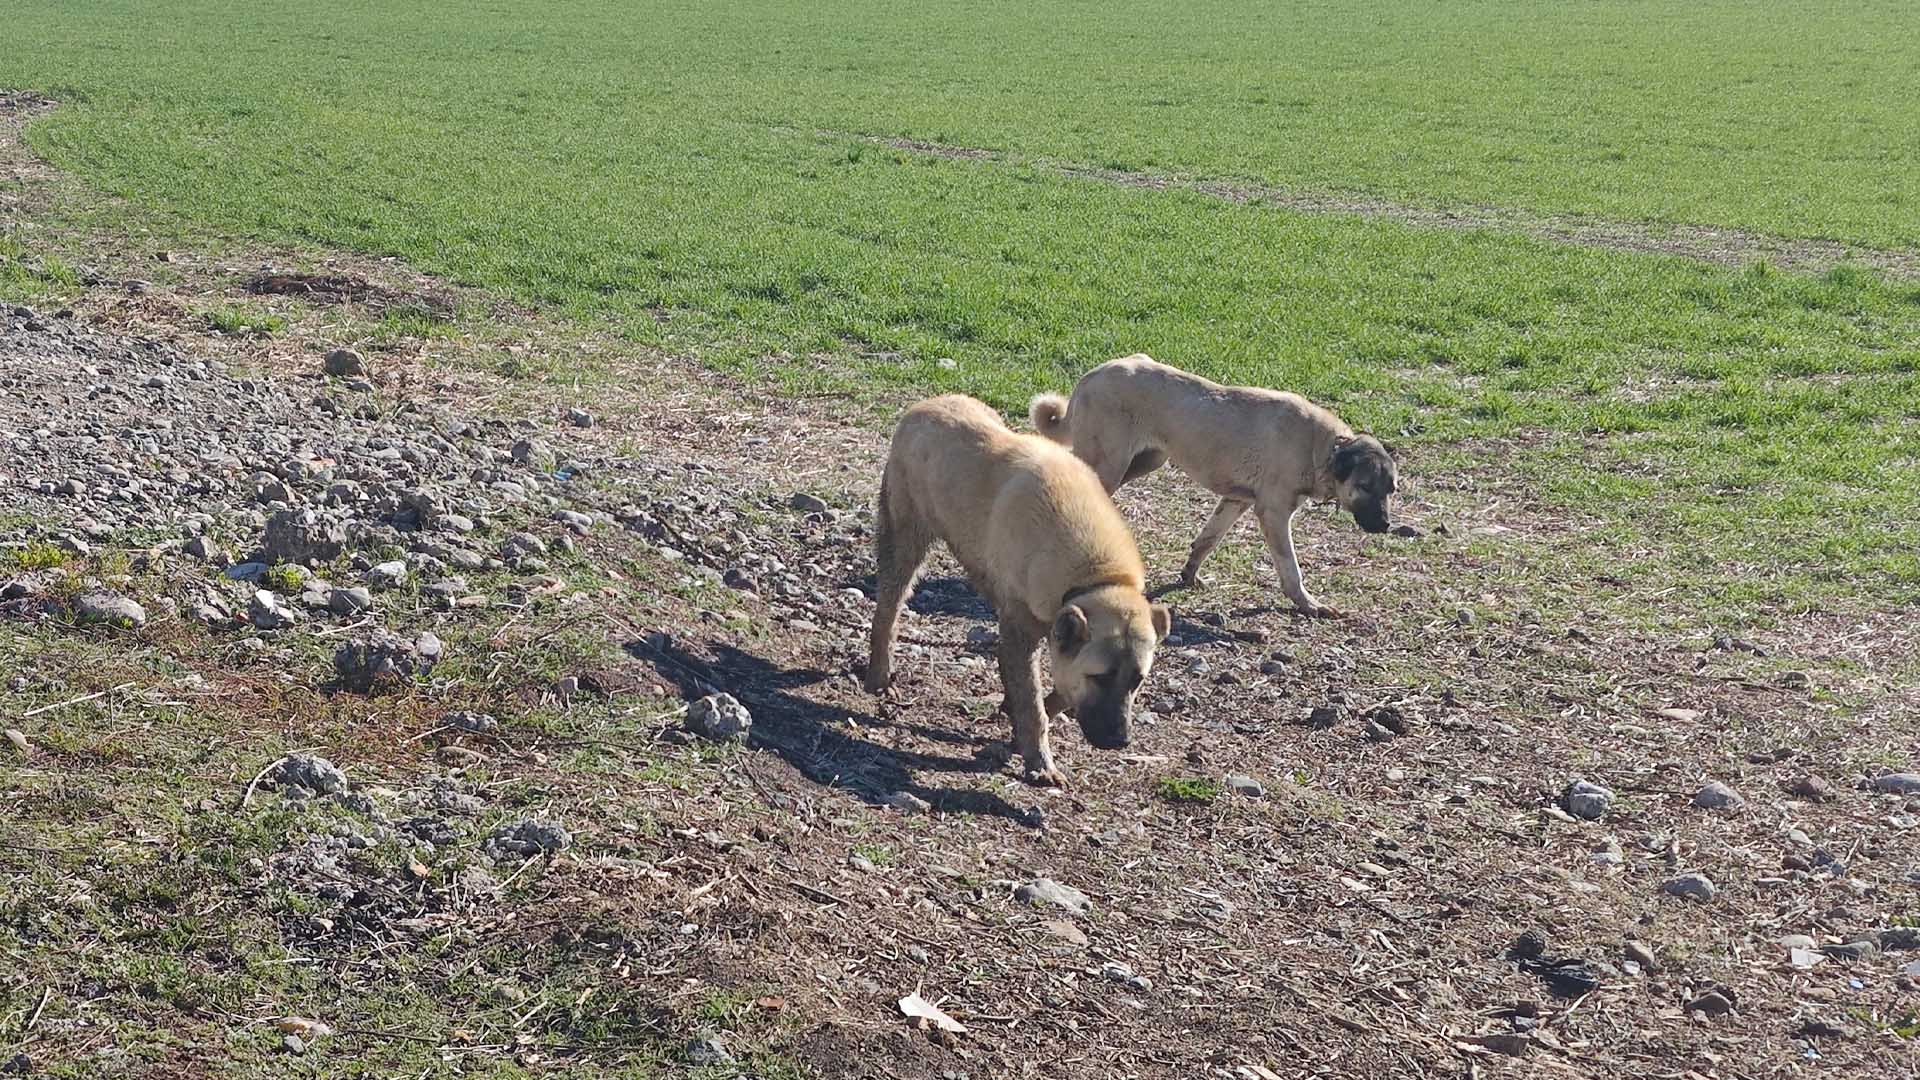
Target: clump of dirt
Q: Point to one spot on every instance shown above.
(351, 289)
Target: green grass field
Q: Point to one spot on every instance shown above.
(706, 162)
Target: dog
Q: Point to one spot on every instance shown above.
(1265, 449)
(1042, 541)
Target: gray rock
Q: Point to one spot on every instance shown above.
(1046, 891)
(351, 601)
(708, 1050)
(315, 774)
(909, 802)
(1904, 783)
(1712, 1003)
(380, 661)
(388, 575)
(1694, 886)
(429, 646)
(579, 417)
(1587, 800)
(1900, 937)
(304, 536)
(346, 363)
(1246, 785)
(575, 520)
(1718, 796)
(246, 571)
(478, 723)
(808, 504)
(109, 609)
(1852, 950)
(1638, 953)
(525, 839)
(450, 800)
(268, 612)
(205, 550)
(719, 717)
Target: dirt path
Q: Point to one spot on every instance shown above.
(1721, 246)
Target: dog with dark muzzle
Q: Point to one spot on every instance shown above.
(1044, 544)
(1256, 448)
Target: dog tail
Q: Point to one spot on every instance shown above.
(1049, 415)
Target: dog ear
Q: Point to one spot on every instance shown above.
(1070, 629)
(1162, 622)
(1345, 456)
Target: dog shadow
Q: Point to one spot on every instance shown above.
(818, 741)
(944, 597)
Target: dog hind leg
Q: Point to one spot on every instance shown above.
(1216, 529)
(900, 545)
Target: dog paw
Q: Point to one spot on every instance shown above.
(1317, 610)
(1046, 775)
(877, 682)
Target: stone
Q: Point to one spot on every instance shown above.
(1812, 788)
(1693, 886)
(525, 839)
(1048, 892)
(388, 575)
(109, 609)
(268, 612)
(477, 723)
(708, 1050)
(18, 740)
(345, 363)
(1718, 796)
(1528, 946)
(719, 717)
(1852, 950)
(1639, 953)
(304, 536)
(1898, 783)
(1587, 800)
(1245, 785)
(351, 601)
(1712, 1003)
(380, 661)
(574, 520)
(579, 417)
(807, 504)
(909, 802)
(315, 774)
(205, 550)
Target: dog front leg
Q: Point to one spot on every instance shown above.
(1223, 519)
(1020, 677)
(1278, 527)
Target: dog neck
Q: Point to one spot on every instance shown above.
(1081, 590)
(1324, 484)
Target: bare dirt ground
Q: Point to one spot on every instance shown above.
(1336, 848)
(1722, 246)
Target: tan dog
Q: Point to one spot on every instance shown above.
(1043, 543)
(1253, 447)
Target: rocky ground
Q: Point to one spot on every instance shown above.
(390, 703)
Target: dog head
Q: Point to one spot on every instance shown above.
(1364, 476)
(1103, 643)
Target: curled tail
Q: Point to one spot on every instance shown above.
(1049, 415)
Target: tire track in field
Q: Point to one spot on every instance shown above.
(1710, 244)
